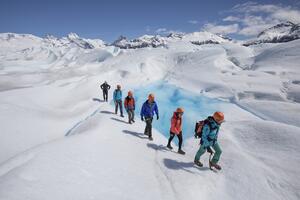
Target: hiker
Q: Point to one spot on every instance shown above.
(176, 129)
(105, 87)
(118, 100)
(209, 139)
(147, 112)
(129, 105)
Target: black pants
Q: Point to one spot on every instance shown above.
(105, 95)
(148, 128)
(118, 103)
(172, 135)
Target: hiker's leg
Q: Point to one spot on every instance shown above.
(171, 138)
(106, 95)
(121, 107)
(147, 126)
(129, 115)
(179, 140)
(200, 152)
(218, 152)
(116, 107)
(103, 95)
(132, 115)
(150, 126)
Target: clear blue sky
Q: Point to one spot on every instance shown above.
(107, 19)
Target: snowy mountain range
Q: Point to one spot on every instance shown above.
(283, 32)
(60, 140)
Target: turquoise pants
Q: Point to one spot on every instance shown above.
(216, 156)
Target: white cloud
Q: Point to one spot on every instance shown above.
(276, 12)
(231, 19)
(222, 29)
(288, 15)
(166, 31)
(250, 18)
(193, 22)
(161, 30)
(253, 30)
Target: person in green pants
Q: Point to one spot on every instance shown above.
(209, 139)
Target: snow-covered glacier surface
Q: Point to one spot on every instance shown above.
(59, 140)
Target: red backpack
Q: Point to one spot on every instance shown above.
(199, 127)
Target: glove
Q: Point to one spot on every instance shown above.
(142, 118)
(209, 150)
(157, 117)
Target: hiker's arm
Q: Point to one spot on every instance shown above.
(205, 132)
(173, 126)
(156, 110)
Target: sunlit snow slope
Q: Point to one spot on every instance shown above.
(59, 140)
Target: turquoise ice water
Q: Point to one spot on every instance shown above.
(168, 97)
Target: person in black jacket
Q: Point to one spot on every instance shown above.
(105, 87)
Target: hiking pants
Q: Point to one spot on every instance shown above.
(118, 103)
(105, 95)
(179, 136)
(130, 113)
(148, 128)
(216, 156)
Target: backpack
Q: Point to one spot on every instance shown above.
(198, 128)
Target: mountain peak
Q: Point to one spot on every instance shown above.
(72, 36)
(282, 32)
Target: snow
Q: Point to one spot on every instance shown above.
(59, 140)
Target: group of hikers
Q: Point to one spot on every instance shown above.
(207, 130)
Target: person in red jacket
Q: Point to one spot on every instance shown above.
(129, 105)
(176, 129)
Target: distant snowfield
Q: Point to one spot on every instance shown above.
(60, 141)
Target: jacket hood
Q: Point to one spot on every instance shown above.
(212, 122)
(175, 115)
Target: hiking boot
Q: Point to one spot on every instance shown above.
(198, 163)
(215, 165)
(150, 138)
(122, 115)
(181, 152)
(129, 122)
(146, 133)
(133, 120)
(169, 147)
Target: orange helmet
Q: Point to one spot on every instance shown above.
(151, 96)
(180, 110)
(119, 86)
(130, 93)
(218, 117)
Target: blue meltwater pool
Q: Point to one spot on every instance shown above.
(168, 97)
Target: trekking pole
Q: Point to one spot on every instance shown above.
(211, 152)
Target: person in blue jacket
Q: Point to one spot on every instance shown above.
(118, 100)
(148, 110)
(209, 139)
